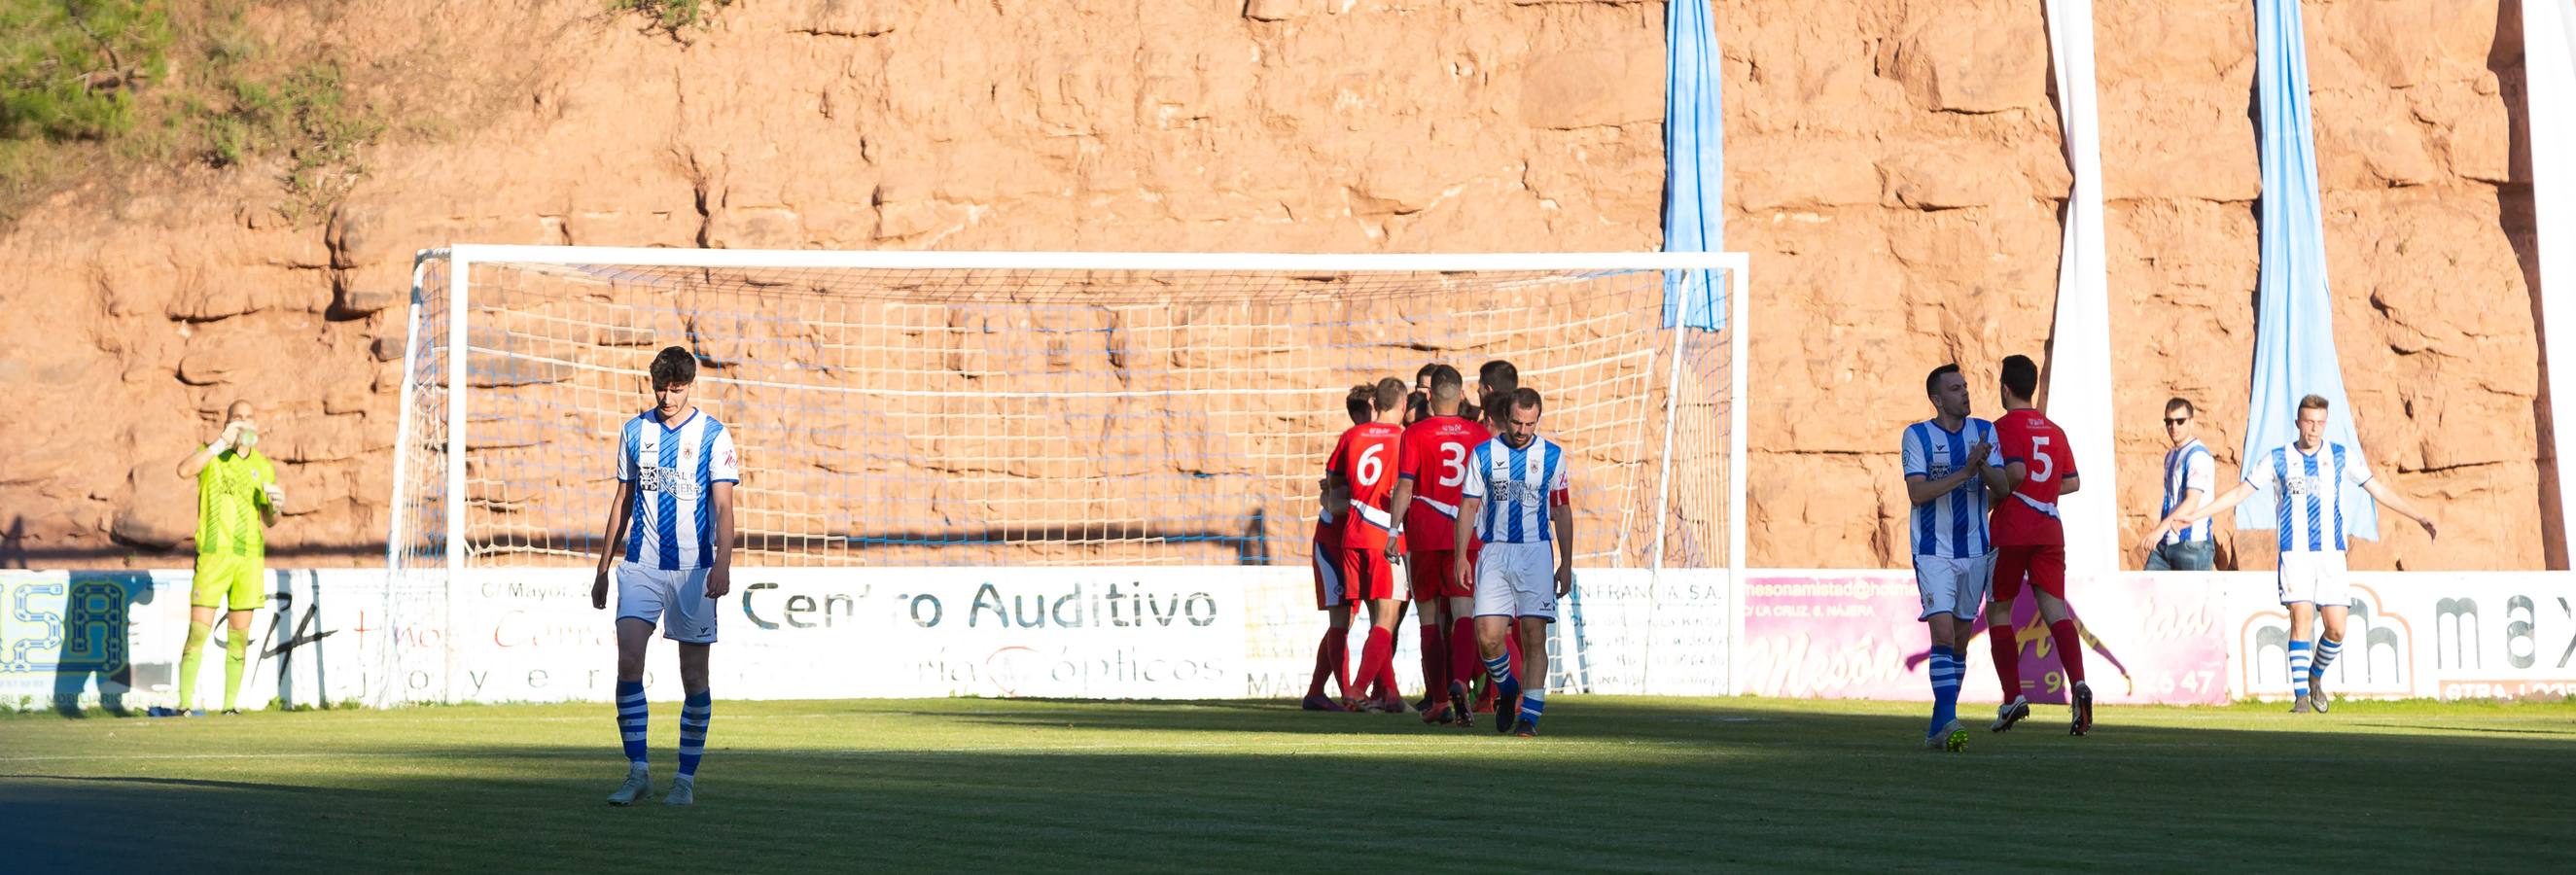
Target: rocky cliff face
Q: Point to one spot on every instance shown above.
(1896, 173)
(1894, 168)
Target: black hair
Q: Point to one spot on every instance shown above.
(2021, 376)
(674, 366)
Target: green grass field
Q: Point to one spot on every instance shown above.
(1617, 783)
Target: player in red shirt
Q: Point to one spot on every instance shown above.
(1427, 492)
(1363, 464)
(1417, 405)
(1333, 654)
(2029, 538)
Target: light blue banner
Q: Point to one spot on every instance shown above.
(1694, 163)
(2294, 352)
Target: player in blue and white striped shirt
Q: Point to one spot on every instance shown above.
(2191, 475)
(1950, 466)
(2306, 480)
(670, 536)
(1517, 492)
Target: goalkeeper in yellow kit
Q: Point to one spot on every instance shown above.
(235, 486)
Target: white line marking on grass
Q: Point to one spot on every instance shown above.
(730, 717)
(47, 758)
(1031, 749)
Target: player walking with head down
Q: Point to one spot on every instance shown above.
(1950, 463)
(670, 539)
(1516, 491)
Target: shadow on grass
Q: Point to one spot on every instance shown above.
(198, 783)
(1617, 784)
(1597, 715)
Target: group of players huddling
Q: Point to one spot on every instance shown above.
(667, 548)
(1403, 477)
(1394, 492)
(1964, 541)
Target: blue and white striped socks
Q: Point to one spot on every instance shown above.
(1947, 670)
(1500, 669)
(630, 719)
(2327, 650)
(2299, 666)
(694, 713)
(1532, 703)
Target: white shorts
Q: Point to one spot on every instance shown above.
(2313, 577)
(1517, 580)
(1956, 587)
(674, 600)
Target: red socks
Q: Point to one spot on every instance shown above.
(1435, 660)
(1329, 664)
(1342, 660)
(1376, 662)
(2070, 649)
(2007, 650)
(1465, 663)
(1386, 690)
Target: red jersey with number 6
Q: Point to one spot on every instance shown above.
(1435, 459)
(2028, 517)
(1365, 457)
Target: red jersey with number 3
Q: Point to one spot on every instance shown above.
(2028, 516)
(1435, 459)
(1365, 457)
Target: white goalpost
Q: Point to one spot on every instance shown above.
(921, 412)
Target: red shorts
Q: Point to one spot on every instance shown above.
(1430, 569)
(2046, 564)
(1367, 576)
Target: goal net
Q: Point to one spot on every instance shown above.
(1030, 409)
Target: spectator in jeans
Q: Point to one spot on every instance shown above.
(2189, 473)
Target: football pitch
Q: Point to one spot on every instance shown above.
(1015, 785)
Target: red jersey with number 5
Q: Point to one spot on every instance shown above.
(2029, 516)
(1365, 457)
(1435, 459)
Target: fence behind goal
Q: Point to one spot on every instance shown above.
(1032, 410)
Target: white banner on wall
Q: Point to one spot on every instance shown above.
(2419, 634)
(531, 635)
(113, 637)
(520, 635)
(1143, 633)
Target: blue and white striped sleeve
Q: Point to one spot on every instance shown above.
(1560, 485)
(626, 452)
(2264, 474)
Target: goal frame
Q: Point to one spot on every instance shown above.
(461, 258)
